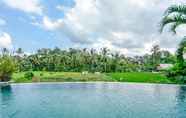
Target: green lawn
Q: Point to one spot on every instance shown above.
(60, 77)
(143, 77)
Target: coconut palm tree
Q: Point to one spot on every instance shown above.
(174, 16)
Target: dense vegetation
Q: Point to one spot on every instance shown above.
(76, 60)
(7, 66)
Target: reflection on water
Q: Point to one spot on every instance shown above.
(181, 101)
(6, 94)
(181, 94)
(6, 88)
(93, 100)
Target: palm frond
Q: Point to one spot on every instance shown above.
(174, 26)
(181, 8)
(176, 20)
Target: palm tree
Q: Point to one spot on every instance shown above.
(104, 52)
(19, 51)
(175, 16)
(155, 55)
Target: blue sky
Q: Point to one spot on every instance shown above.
(34, 24)
(28, 36)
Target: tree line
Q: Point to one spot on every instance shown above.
(78, 60)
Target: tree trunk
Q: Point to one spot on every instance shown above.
(5, 78)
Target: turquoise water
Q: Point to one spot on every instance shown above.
(93, 100)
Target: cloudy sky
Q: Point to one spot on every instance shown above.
(127, 26)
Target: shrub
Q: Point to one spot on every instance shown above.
(29, 75)
(7, 67)
(177, 73)
(41, 74)
(21, 80)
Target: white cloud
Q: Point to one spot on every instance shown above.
(5, 40)
(49, 24)
(28, 6)
(62, 8)
(2, 22)
(128, 26)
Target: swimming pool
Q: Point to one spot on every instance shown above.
(93, 100)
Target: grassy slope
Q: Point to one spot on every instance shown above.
(72, 76)
(60, 77)
(144, 77)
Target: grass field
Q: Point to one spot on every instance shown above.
(60, 77)
(143, 77)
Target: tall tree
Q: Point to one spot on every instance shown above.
(175, 15)
(7, 66)
(104, 52)
(155, 55)
(19, 51)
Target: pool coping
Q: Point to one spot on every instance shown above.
(96, 82)
(2, 84)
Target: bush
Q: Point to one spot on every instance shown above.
(41, 74)
(7, 67)
(177, 73)
(29, 75)
(22, 80)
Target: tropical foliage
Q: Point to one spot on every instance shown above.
(79, 60)
(103, 60)
(175, 16)
(180, 53)
(7, 67)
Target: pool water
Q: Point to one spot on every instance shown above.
(93, 100)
